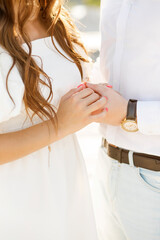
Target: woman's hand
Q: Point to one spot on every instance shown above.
(74, 113)
(76, 108)
(116, 104)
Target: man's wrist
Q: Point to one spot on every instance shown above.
(129, 123)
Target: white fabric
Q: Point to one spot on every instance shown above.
(39, 202)
(8, 109)
(126, 200)
(130, 61)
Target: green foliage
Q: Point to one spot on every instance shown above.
(92, 2)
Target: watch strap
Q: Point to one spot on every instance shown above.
(132, 110)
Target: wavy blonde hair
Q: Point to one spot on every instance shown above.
(58, 23)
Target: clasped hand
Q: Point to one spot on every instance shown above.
(92, 103)
(78, 108)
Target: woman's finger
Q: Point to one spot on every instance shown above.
(72, 92)
(99, 104)
(84, 93)
(91, 99)
(99, 88)
(100, 117)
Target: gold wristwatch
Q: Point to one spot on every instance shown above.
(129, 124)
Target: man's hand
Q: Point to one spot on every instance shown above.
(116, 104)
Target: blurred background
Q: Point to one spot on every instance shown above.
(87, 15)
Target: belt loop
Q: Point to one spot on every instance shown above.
(130, 157)
(103, 142)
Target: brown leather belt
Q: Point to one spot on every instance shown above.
(142, 160)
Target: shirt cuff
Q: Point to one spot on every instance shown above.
(148, 117)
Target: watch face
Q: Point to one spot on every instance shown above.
(130, 126)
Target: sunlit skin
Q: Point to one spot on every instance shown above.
(33, 26)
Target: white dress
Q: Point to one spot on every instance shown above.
(41, 198)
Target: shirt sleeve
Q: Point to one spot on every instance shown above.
(148, 117)
(10, 103)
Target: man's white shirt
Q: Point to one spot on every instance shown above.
(130, 62)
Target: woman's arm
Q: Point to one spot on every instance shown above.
(74, 113)
(18, 144)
